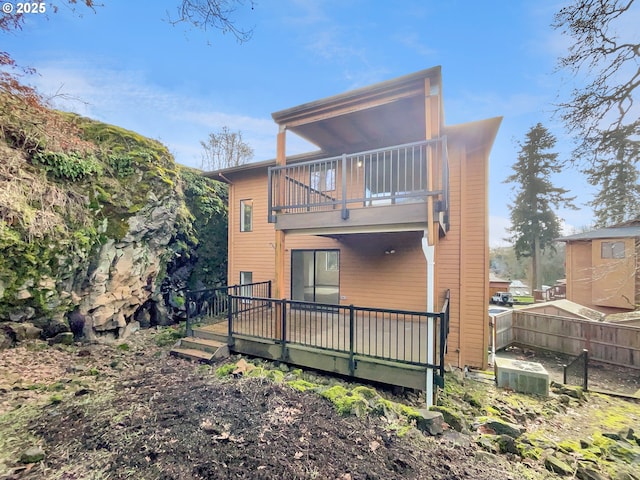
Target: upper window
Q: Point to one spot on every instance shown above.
(612, 250)
(246, 215)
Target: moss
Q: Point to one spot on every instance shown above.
(225, 370)
(344, 401)
(454, 419)
(569, 446)
(169, 336)
(302, 385)
(124, 347)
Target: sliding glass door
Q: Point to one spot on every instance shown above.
(315, 276)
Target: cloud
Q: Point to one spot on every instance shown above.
(128, 99)
(413, 42)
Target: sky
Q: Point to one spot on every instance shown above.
(127, 65)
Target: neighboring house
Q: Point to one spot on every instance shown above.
(497, 284)
(603, 268)
(390, 212)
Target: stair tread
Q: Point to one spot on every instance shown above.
(192, 352)
(204, 341)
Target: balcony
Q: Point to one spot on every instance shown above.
(377, 190)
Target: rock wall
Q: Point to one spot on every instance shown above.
(119, 237)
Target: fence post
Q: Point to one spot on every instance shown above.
(230, 320)
(283, 337)
(352, 366)
(585, 381)
(443, 341)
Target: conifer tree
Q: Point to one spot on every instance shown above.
(534, 225)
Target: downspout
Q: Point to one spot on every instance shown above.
(430, 254)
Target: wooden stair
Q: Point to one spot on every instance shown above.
(204, 346)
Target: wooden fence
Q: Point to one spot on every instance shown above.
(606, 342)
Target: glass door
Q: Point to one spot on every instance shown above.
(315, 276)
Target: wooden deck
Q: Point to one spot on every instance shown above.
(387, 347)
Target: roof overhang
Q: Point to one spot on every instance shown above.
(387, 113)
(474, 135)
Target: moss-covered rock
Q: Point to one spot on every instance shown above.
(96, 219)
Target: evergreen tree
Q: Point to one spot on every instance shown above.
(616, 175)
(534, 224)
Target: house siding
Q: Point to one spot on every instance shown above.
(368, 276)
(462, 260)
(606, 285)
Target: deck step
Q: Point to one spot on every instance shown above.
(208, 334)
(216, 347)
(192, 354)
(200, 349)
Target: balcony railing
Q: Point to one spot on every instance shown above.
(388, 176)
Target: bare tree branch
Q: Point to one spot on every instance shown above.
(216, 14)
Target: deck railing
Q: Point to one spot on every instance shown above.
(214, 302)
(391, 335)
(387, 176)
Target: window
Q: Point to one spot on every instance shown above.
(246, 215)
(323, 177)
(331, 261)
(246, 279)
(612, 250)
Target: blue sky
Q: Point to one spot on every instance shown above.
(126, 65)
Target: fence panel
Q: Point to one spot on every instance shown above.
(503, 324)
(606, 342)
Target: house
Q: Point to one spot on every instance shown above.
(497, 284)
(603, 268)
(390, 213)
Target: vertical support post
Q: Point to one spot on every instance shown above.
(343, 175)
(279, 283)
(585, 381)
(270, 216)
(283, 323)
(352, 366)
(230, 321)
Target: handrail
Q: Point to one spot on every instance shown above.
(390, 175)
(393, 335)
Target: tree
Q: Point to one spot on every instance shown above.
(534, 225)
(602, 113)
(225, 149)
(213, 13)
(618, 198)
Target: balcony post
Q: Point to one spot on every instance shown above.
(278, 285)
(343, 174)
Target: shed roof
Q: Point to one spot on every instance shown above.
(609, 232)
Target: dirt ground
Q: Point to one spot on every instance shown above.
(133, 412)
(601, 376)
